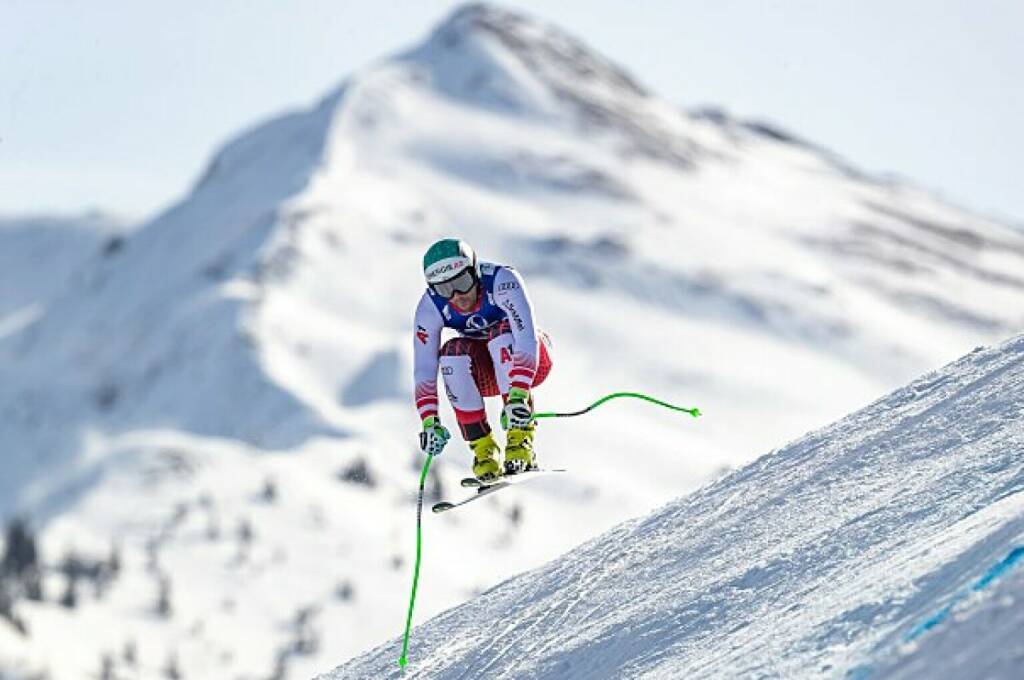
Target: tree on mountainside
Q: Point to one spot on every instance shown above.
(269, 492)
(172, 670)
(6, 602)
(358, 472)
(106, 668)
(7, 608)
(164, 608)
(20, 563)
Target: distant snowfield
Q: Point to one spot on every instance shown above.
(830, 557)
(40, 256)
(257, 334)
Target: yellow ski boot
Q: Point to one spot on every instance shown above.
(485, 458)
(519, 455)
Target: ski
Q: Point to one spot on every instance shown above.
(487, 488)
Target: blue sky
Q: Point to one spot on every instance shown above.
(118, 105)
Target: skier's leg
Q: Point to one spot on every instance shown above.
(544, 362)
(499, 345)
(463, 365)
(519, 448)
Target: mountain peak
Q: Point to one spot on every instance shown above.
(526, 46)
(541, 45)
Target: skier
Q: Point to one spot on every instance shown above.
(498, 351)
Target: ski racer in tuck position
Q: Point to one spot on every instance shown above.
(498, 350)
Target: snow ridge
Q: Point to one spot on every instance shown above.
(809, 561)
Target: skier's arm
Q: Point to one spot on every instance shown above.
(426, 342)
(510, 295)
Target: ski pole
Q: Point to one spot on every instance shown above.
(695, 412)
(403, 660)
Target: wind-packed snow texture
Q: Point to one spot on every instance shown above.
(224, 395)
(816, 560)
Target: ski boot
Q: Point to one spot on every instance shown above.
(485, 458)
(519, 455)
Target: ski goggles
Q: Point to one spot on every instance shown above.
(461, 284)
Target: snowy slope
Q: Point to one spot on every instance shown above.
(256, 335)
(976, 635)
(39, 256)
(812, 561)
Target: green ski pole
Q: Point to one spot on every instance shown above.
(695, 412)
(403, 660)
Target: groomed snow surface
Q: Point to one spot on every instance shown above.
(884, 545)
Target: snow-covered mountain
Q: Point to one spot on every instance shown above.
(223, 399)
(889, 544)
(40, 256)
